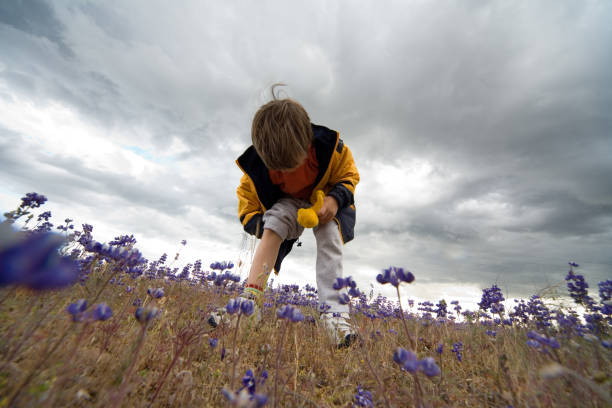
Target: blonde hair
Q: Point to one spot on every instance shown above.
(281, 133)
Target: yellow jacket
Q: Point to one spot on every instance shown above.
(337, 177)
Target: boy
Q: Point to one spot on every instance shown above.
(290, 160)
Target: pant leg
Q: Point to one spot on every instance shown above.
(282, 218)
(329, 265)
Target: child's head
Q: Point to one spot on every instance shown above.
(281, 134)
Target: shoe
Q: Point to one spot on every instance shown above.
(339, 328)
(220, 315)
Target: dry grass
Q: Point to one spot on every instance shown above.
(47, 359)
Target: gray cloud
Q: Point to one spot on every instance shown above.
(36, 18)
(507, 102)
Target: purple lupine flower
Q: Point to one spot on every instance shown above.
(578, 288)
(146, 314)
(344, 299)
(533, 343)
(246, 396)
(543, 340)
(233, 305)
(123, 241)
(77, 309)
(429, 367)
(221, 266)
(406, 359)
(394, 276)
(290, 313)
(102, 312)
(605, 290)
(157, 293)
(440, 348)
(363, 398)
(441, 311)
(184, 242)
(213, 342)
(354, 292)
(33, 200)
(44, 216)
(491, 299)
(339, 283)
(34, 261)
(457, 349)
(247, 307)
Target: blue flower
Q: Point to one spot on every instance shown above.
(102, 312)
(221, 266)
(429, 367)
(76, 309)
(605, 290)
(34, 261)
(290, 313)
(406, 359)
(233, 305)
(394, 276)
(344, 299)
(213, 342)
(33, 200)
(354, 292)
(146, 314)
(578, 288)
(246, 396)
(363, 398)
(247, 307)
(248, 381)
(339, 283)
(156, 293)
(542, 340)
(491, 299)
(457, 349)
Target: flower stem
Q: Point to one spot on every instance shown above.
(278, 354)
(412, 342)
(118, 397)
(166, 372)
(234, 360)
(45, 355)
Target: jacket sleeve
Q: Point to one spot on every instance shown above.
(344, 176)
(250, 212)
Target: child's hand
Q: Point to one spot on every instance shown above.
(328, 210)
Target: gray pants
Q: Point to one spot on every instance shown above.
(282, 219)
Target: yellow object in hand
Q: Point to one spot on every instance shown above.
(307, 217)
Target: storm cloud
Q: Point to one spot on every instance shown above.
(481, 130)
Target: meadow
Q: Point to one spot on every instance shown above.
(90, 324)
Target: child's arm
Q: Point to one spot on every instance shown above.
(343, 177)
(249, 210)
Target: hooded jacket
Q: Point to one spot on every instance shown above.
(337, 177)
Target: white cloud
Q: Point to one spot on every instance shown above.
(479, 130)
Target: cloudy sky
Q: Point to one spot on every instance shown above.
(481, 130)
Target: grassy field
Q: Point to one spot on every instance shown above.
(130, 332)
